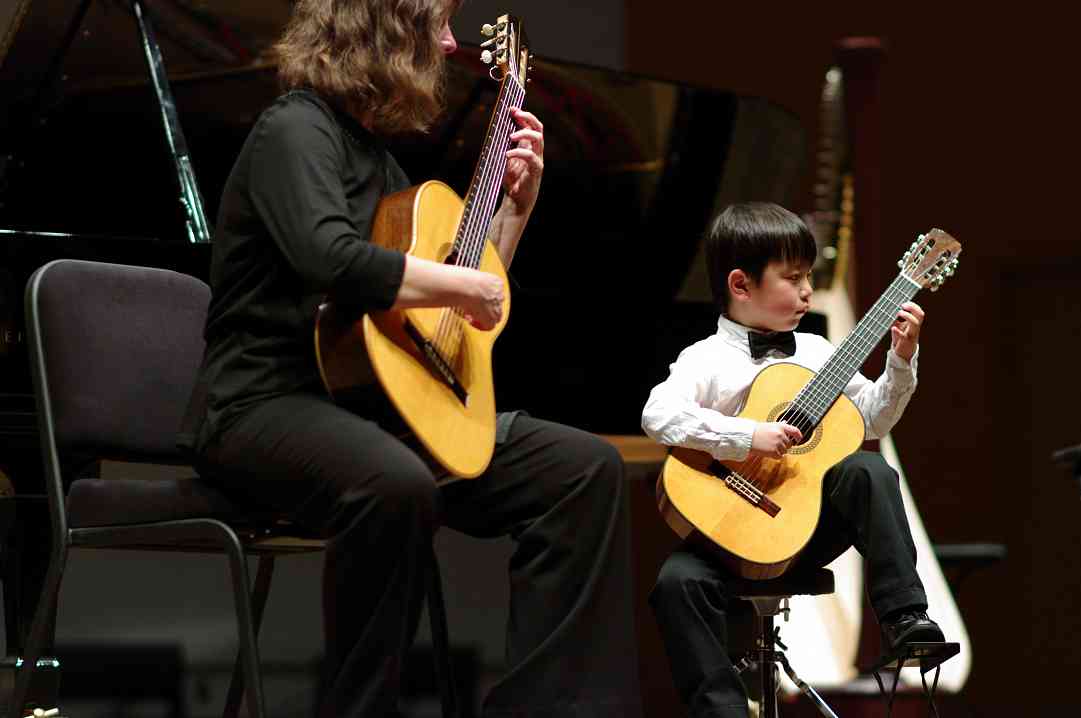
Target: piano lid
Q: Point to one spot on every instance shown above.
(100, 48)
(634, 170)
(11, 17)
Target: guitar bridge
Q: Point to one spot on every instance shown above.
(439, 366)
(754, 495)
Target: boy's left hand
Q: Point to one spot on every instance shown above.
(905, 332)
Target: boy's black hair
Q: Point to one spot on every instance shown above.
(749, 236)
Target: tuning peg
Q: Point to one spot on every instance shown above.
(487, 30)
(486, 57)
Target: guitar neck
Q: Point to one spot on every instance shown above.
(483, 192)
(815, 399)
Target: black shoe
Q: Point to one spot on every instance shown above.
(910, 627)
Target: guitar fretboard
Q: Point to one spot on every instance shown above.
(815, 399)
(484, 189)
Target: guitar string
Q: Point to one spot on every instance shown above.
(452, 316)
(821, 391)
(817, 391)
(475, 234)
(845, 360)
(816, 397)
(853, 353)
(451, 323)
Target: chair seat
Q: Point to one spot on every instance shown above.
(804, 583)
(115, 502)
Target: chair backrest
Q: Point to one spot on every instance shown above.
(114, 351)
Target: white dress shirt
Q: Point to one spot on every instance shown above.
(707, 386)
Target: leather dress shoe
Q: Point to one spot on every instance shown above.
(910, 627)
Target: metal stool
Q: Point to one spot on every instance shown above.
(770, 598)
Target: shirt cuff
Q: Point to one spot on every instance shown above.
(902, 373)
(734, 444)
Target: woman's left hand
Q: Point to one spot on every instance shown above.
(525, 162)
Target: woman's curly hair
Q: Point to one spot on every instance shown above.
(377, 59)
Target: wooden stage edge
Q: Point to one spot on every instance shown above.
(637, 450)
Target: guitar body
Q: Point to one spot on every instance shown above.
(456, 427)
(693, 496)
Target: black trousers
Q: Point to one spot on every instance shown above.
(861, 507)
(557, 491)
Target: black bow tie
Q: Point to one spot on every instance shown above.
(762, 342)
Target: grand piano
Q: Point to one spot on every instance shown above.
(104, 155)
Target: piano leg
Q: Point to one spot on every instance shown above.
(25, 544)
(25, 561)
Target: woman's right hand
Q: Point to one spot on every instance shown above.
(482, 302)
(479, 295)
(773, 439)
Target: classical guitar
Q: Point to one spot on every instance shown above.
(760, 513)
(432, 364)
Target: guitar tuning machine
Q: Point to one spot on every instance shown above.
(907, 256)
(487, 56)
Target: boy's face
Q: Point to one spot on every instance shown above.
(774, 304)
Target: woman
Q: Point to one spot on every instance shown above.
(293, 227)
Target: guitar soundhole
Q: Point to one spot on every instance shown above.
(800, 420)
(451, 253)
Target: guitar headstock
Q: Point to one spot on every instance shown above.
(511, 56)
(931, 259)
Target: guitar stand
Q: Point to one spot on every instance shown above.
(764, 657)
(926, 656)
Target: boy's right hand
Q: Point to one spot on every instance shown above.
(773, 439)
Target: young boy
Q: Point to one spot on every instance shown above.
(759, 259)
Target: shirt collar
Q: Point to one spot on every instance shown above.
(733, 332)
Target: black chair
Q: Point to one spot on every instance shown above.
(114, 352)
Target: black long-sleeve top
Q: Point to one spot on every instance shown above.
(293, 227)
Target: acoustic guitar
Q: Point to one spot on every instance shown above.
(432, 364)
(761, 512)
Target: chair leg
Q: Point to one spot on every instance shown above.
(258, 602)
(437, 613)
(43, 624)
(766, 667)
(249, 647)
